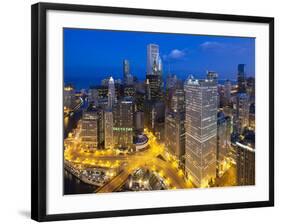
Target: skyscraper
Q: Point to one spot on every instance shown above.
(201, 130)
(241, 112)
(171, 81)
(241, 78)
(69, 97)
(154, 72)
(111, 93)
(93, 96)
(223, 142)
(123, 123)
(129, 90)
(251, 89)
(227, 91)
(139, 121)
(175, 134)
(92, 129)
(245, 161)
(177, 100)
(153, 59)
(127, 76)
(212, 75)
(126, 69)
(108, 129)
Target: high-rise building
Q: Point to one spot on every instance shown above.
(241, 112)
(154, 83)
(129, 90)
(139, 121)
(127, 76)
(68, 96)
(201, 131)
(175, 134)
(126, 69)
(252, 116)
(108, 129)
(227, 91)
(92, 129)
(154, 72)
(123, 123)
(212, 75)
(171, 81)
(251, 89)
(139, 100)
(177, 100)
(129, 79)
(245, 161)
(111, 93)
(154, 116)
(223, 142)
(102, 91)
(153, 59)
(93, 96)
(241, 78)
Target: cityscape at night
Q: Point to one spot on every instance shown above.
(157, 111)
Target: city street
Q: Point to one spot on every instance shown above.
(168, 169)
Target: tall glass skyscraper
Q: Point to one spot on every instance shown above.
(111, 93)
(153, 59)
(127, 77)
(241, 78)
(126, 68)
(154, 72)
(201, 130)
(123, 125)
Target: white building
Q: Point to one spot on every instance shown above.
(111, 93)
(153, 59)
(201, 131)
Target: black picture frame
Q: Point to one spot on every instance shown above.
(38, 108)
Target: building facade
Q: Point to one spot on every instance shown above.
(123, 124)
(241, 112)
(153, 59)
(92, 129)
(175, 134)
(154, 73)
(201, 131)
(241, 78)
(223, 143)
(245, 161)
(227, 92)
(108, 129)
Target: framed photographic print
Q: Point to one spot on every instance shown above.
(139, 111)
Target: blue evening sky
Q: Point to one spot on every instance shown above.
(91, 55)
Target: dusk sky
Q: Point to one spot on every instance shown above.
(91, 55)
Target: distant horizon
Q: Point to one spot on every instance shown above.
(93, 55)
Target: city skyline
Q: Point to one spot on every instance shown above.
(158, 131)
(86, 59)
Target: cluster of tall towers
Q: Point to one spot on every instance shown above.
(187, 117)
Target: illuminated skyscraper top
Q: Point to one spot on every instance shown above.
(111, 93)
